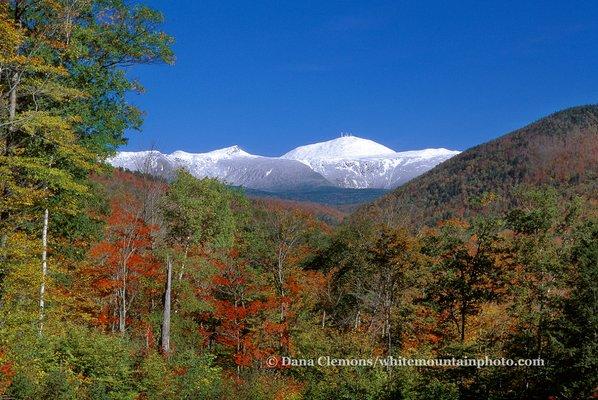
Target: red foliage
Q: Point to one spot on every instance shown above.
(238, 311)
(6, 374)
(124, 258)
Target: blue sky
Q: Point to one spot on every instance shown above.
(273, 75)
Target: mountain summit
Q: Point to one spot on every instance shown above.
(345, 162)
(227, 152)
(353, 162)
(345, 147)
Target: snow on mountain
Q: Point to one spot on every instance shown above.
(152, 162)
(215, 155)
(343, 147)
(231, 165)
(358, 163)
(347, 162)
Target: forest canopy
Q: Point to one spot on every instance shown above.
(119, 285)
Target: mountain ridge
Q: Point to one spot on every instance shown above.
(559, 150)
(345, 162)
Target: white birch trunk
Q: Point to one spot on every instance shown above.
(42, 287)
(166, 312)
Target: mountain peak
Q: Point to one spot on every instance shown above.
(347, 161)
(339, 148)
(232, 151)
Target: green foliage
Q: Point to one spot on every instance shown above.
(575, 360)
(85, 364)
(71, 365)
(198, 378)
(102, 359)
(436, 389)
(328, 382)
(199, 211)
(186, 376)
(466, 269)
(330, 195)
(514, 276)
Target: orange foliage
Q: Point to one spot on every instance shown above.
(124, 258)
(237, 311)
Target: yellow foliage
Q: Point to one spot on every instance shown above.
(11, 35)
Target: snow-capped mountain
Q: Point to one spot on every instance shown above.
(353, 162)
(231, 165)
(346, 162)
(345, 147)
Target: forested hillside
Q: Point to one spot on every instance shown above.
(560, 151)
(117, 286)
(341, 198)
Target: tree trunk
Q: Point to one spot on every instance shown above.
(6, 146)
(463, 316)
(12, 101)
(388, 333)
(183, 263)
(357, 320)
(280, 279)
(166, 312)
(42, 288)
(122, 313)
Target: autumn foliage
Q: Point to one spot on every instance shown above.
(126, 267)
(119, 285)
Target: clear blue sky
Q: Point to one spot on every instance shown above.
(272, 75)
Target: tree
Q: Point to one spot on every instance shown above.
(37, 139)
(238, 305)
(197, 213)
(165, 331)
(124, 257)
(394, 262)
(467, 268)
(61, 77)
(291, 231)
(197, 217)
(575, 333)
(546, 233)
